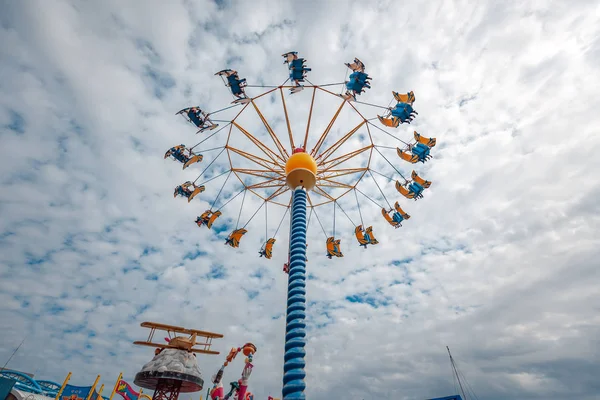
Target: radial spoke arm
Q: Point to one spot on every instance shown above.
(270, 183)
(328, 165)
(270, 165)
(287, 120)
(278, 144)
(329, 151)
(278, 192)
(312, 103)
(341, 172)
(263, 173)
(331, 183)
(315, 150)
(270, 153)
(323, 193)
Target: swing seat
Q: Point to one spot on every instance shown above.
(194, 159)
(171, 150)
(404, 98)
(420, 180)
(207, 128)
(348, 96)
(203, 218)
(365, 237)
(397, 217)
(212, 219)
(208, 218)
(414, 190)
(234, 237)
(267, 250)
(389, 122)
(401, 211)
(370, 235)
(333, 248)
(406, 156)
(197, 191)
(387, 217)
(183, 190)
(358, 232)
(429, 142)
(245, 100)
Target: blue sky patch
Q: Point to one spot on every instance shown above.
(17, 122)
(217, 272)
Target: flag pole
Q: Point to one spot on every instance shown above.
(89, 396)
(116, 386)
(63, 386)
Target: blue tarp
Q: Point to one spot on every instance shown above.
(6, 386)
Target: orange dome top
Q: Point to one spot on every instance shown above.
(301, 170)
(301, 160)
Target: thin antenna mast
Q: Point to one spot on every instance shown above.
(456, 374)
(11, 356)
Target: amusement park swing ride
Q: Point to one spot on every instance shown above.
(296, 178)
(174, 368)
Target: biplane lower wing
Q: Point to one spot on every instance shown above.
(166, 346)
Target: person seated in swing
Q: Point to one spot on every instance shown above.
(185, 191)
(267, 250)
(333, 248)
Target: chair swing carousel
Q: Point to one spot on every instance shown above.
(276, 141)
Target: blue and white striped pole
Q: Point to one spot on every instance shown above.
(295, 330)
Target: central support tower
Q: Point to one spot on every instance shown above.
(301, 176)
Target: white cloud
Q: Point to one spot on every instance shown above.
(499, 260)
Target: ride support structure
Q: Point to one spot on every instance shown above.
(295, 330)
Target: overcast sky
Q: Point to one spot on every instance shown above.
(499, 260)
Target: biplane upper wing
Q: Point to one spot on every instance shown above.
(205, 333)
(179, 329)
(204, 346)
(163, 327)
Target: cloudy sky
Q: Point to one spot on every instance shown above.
(499, 260)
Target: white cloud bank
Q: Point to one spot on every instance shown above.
(499, 260)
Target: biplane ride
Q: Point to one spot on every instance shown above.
(185, 191)
(365, 236)
(413, 189)
(178, 153)
(396, 219)
(358, 80)
(191, 343)
(403, 112)
(236, 85)
(197, 117)
(297, 69)
(267, 249)
(333, 248)
(234, 237)
(418, 151)
(207, 218)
